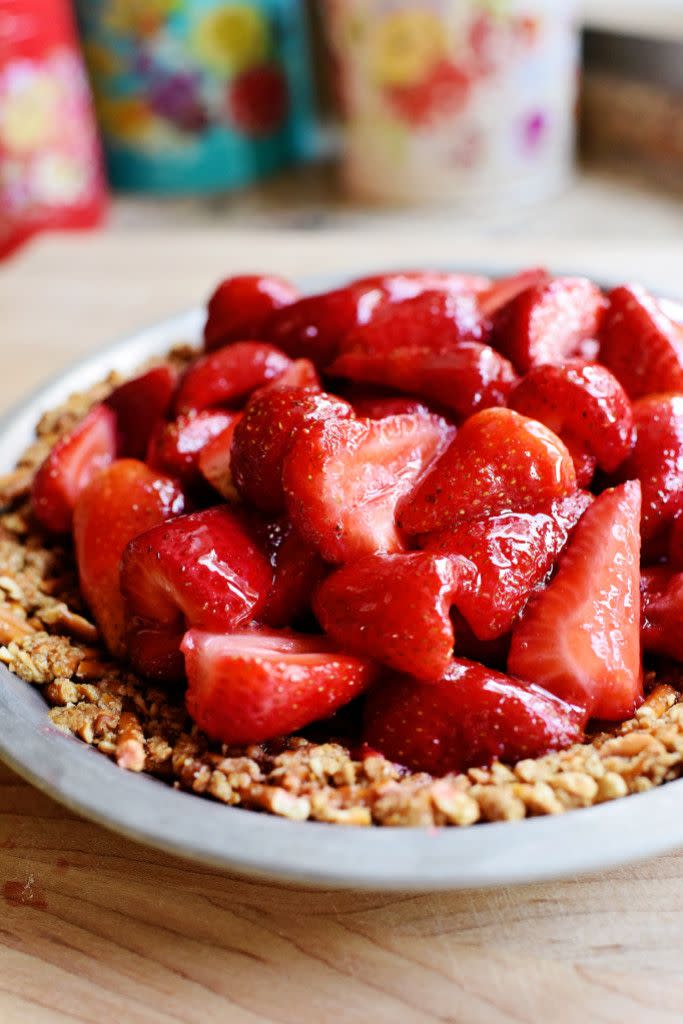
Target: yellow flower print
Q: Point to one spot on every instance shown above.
(405, 46)
(29, 112)
(126, 118)
(231, 39)
(140, 17)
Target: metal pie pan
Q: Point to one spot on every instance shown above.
(308, 853)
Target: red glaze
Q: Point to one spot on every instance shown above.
(580, 637)
(122, 501)
(512, 552)
(251, 687)
(498, 461)
(201, 570)
(467, 719)
(271, 423)
(73, 462)
(175, 448)
(549, 322)
(661, 612)
(583, 401)
(139, 405)
(406, 284)
(394, 608)
(240, 307)
(641, 344)
(343, 479)
(228, 377)
(297, 570)
(215, 460)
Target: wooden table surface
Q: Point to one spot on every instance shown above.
(95, 928)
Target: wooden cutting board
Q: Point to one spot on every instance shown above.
(95, 928)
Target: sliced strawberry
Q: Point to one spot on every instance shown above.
(250, 687)
(657, 461)
(297, 570)
(498, 461)
(513, 552)
(641, 344)
(215, 460)
(301, 373)
(139, 405)
(661, 595)
(585, 463)
(394, 608)
(240, 307)
(375, 405)
(406, 284)
(584, 401)
(580, 636)
(676, 542)
(201, 570)
(175, 448)
(228, 377)
(343, 479)
(122, 501)
(503, 291)
(549, 322)
(314, 326)
(472, 716)
(70, 467)
(271, 423)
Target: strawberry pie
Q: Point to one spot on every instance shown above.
(403, 552)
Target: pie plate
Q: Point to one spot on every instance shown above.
(267, 847)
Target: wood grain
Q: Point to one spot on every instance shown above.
(94, 928)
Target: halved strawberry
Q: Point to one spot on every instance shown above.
(251, 687)
(376, 404)
(201, 570)
(549, 322)
(641, 344)
(502, 292)
(70, 467)
(301, 373)
(271, 423)
(122, 501)
(394, 608)
(227, 377)
(585, 463)
(175, 448)
(313, 327)
(297, 570)
(657, 461)
(215, 460)
(470, 717)
(498, 461)
(676, 542)
(512, 552)
(580, 637)
(406, 284)
(583, 401)
(241, 305)
(139, 405)
(661, 595)
(343, 479)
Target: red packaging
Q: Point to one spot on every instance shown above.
(50, 164)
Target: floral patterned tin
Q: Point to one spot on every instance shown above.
(199, 95)
(455, 99)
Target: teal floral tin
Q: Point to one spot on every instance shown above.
(199, 95)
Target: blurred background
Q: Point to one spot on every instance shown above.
(522, 117)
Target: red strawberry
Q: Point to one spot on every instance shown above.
(201, 570)
(314, 326)
(297, 570)
(502, 292)
(498, 461)
(583, 401)
(343, 479)
(301, 373)
(250, 687)
(268, 430)
(139, 405)
(661, 594)
(513, 552)
(215, 460)
(676, 542)
(240, 307)
(394, 608)
(124, 500)
(70, 467)
(641, 344)
(375, 405)
(492, 653)
(549, 322)
(228, 376)
(406, 284)
(175, 448)
(657, 461)
(580, 636)
(585, 463)
(472, 716)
